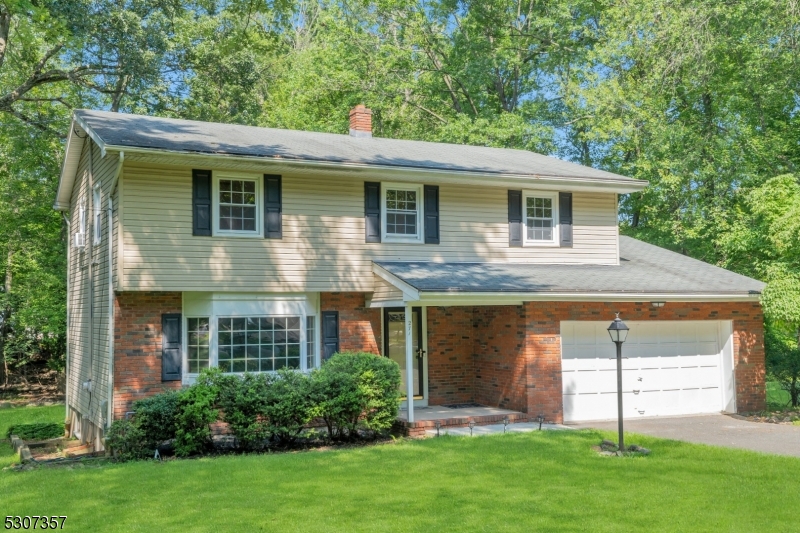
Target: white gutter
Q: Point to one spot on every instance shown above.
(492, 298)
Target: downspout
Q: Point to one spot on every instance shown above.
(89, 243)
(113, 187)
(110, 413)
(66, 351)
(110, 232)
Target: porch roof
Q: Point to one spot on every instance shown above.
(645, 273)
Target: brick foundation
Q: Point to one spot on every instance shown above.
(500, 356)
(137, 346)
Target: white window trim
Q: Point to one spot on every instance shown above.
(82, 218)
(386, 237)
(213, 352)
(97, 220)
(217, 176)
(555, 242)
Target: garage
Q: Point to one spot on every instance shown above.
(669, 368)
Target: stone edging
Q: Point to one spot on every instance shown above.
(22, 449)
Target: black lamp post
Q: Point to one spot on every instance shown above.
(619, 332)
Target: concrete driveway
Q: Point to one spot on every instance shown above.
(717, 430)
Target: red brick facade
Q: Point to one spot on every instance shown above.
(359, 326)
(450, 350)
(543, 344)
(503, 356)
(137, 346)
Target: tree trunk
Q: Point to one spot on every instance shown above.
(6, 315)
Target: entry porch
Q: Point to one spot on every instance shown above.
(453, 416)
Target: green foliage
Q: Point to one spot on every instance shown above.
(243, 402)
(356, 391)
(127, 441)
(196, 412)
(156, 418)
(36, 431)
(783, 360)
(264, 408)
(289, 404)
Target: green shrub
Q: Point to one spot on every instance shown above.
(196, 412)
(356, 391)
(289, 405)
(266, 407)
(36, 431)
(156, 418)
(244, 401)
(127, 441)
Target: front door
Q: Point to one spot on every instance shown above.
(394, 320)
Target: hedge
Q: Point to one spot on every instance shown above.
(355, 394)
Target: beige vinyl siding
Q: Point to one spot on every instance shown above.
(84, 365)
(323, 246)
(384, 291)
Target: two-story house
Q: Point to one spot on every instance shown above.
(490, 275)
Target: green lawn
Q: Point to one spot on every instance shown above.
(537, 481)
(24, 415)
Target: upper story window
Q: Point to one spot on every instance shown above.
(541, 218)
(237, 206)
(402, 208)
(98, 215)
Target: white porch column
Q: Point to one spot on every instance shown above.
(409, 363)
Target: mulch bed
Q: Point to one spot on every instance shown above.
(772, 417)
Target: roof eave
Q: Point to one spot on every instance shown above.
(512, 298)
(621, 186)
(72, 158)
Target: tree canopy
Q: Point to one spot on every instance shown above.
(698, 97)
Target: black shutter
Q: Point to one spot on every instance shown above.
(565, 218)
(201, 202)
(273, 207)
(372, 211)
(171, 347)
(515, 218)
(330, 334)
(431, 214)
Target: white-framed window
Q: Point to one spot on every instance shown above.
(401, 206)
(239, 332)
(237, 204)
(540, 210)
(198, 344)
(82, 219)
(311, 342)
(259, 344)
(97, 230)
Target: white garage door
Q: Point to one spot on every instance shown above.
(670, 368)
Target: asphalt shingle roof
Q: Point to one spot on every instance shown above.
(137, 131)
(643, 268)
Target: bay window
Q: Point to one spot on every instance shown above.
(249, 333)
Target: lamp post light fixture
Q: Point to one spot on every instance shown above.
(619, 332)
(438, 425)
(505, 423)
(471, 425)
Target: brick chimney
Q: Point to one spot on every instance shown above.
(360, 121)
